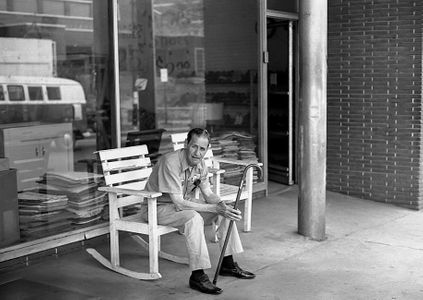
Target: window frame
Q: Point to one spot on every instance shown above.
(2, 94)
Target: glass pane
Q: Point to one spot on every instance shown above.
(286, 5)
(79, 9)
(54, 7)
(231, 100)
(35, 93)
(53, 93)
(137, 78)
(190, 63)
(179, 74)
(51, 144)
(24, 6)
(3, 4)
(16, 92)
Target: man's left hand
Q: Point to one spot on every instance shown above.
(228, 212)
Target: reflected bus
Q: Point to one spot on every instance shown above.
(44, 100)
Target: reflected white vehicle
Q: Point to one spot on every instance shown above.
(44, 100)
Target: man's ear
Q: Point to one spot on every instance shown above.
(185, 144)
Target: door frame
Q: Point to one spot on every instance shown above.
(263, 57)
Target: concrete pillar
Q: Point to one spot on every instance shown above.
(312, 118)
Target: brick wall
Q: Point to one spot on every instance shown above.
(374, 100)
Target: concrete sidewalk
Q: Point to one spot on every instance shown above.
(372, 251)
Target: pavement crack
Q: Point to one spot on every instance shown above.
(392, 245)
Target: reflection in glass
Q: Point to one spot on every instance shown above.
(54, 83)
(190, 63)
(35, 93)
(16, 92)
(53, 93)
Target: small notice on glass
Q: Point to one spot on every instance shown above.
(141, 84)
(273, 78)
(163, 75)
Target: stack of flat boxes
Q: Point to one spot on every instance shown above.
(374, 100)
(9, 218)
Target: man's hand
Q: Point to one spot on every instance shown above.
(228, 212)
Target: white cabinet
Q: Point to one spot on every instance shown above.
(33, 150)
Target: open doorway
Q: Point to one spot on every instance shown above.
(280, 95)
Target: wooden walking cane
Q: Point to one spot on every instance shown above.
(231, 223)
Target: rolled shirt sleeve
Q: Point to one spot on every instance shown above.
(166, 177)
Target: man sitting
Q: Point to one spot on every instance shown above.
(177, 175)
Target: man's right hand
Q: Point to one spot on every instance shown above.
(228, 212)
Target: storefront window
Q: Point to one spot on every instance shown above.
(54, 113)
(190, 63)
(182, 64)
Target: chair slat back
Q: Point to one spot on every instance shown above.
(127, 176)
(208, 158)
(110, 166)
(117, 153)
(139, 185)
(178, 140)
(126, 167)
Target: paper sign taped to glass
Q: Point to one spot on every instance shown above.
(141, 84)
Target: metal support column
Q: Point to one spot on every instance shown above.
(312, 131)
(115, 8)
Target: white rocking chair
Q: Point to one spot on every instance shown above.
(126, 171)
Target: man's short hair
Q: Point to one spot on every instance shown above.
(200, 132)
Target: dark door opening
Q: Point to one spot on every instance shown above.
(280, 101)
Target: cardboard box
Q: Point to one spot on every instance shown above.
(9, 214)
(4, 164)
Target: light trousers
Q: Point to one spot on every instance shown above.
(192, 224)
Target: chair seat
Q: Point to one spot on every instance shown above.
(135, 223)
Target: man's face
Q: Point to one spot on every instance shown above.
(196, 149)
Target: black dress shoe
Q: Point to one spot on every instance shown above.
(204, 285)
(236, 271)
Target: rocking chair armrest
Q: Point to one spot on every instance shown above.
(215, 171)
(142, 193)
(235, 161)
